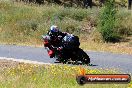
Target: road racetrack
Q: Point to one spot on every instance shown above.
(122, 62)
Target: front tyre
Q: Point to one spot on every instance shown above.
(83, 57)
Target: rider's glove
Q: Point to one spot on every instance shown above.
(59, 48)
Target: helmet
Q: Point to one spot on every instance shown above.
(54, 29)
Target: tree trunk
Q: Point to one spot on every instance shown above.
(129, 4)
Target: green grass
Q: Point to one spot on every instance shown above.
(30, 22)
(23, 24)
(50, 76)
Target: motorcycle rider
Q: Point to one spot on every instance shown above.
(67, 44)
(56, 37)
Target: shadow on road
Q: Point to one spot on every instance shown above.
(92, 65)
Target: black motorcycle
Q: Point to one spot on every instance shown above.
(69, 50)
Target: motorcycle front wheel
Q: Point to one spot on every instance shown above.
(83, 57)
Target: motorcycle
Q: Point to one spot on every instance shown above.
(69, 50)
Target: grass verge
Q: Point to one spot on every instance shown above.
(23, 24)
(20, 75)
(122, 48)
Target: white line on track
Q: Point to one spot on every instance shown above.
(22, 60)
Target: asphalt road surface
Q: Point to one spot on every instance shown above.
(122, 62)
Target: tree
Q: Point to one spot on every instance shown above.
(107, 22)
(129, 4)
